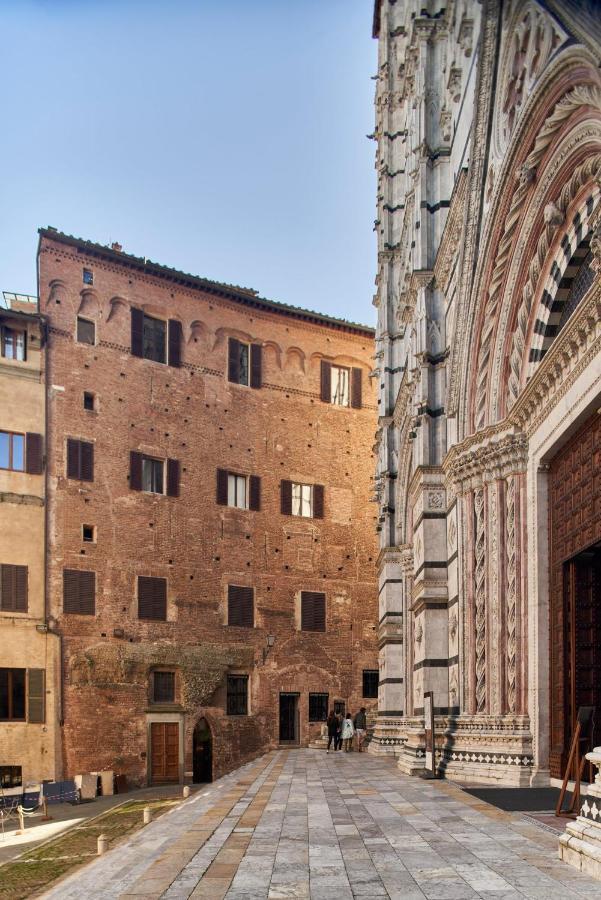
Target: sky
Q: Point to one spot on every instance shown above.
(226, 138)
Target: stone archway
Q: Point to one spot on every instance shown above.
(202, 752)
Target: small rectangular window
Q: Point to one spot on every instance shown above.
(152, 475)
(12, 451)
(237, 494)
(13, 588)
(152, 598)
(163, 687)
(86, 331)
(154, 339)
(88, 276)
(302, 500)
(318, 707)
(313, 611)
(340, 379)
(88, 400)
(13, 344)
(88, 534)
(12, 694)
(237, 695)
(370, 683)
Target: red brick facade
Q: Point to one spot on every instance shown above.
(193, 414)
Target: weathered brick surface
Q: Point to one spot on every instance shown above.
(195, 415)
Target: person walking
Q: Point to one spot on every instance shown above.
(338, 741)
(360, 728)
(333, 728)
(348, 730)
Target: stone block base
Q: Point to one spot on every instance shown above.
(580, 846)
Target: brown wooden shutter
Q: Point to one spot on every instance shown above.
(79, 590)
(286, 498)
(222, 487)
(326, 381)
(356, 385)
(36, 697)
(72, 458)
(135, 470)
(240, 606)
(256, 365)
(254, 501)
(175, 343)
(33, 454)
(173, 477)
(152, 598)
(233, 365)
(87, 461)
(20, 577)
(318, 501)
(137, 332)
(313, 611)
(13, 588)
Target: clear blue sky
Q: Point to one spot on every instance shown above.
(226, 138)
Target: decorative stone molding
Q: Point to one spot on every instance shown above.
(480, 597)
(511, 592)
(485, 457)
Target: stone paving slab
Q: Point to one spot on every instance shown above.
(315, 826)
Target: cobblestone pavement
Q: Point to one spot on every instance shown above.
(305, 824)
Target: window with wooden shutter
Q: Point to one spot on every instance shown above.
(14, 344)
(135, 470)
(173, 469)
(340, 385)
(79, 592)
(222, 487)
(80, 460)
(313, 611)
(233, 363)
(326, 381)
(256, 365)
(13, 588)
(36, 697)
(254, 502)
(286, 498)
(356, 388)
(175, 343)
(33, 454)
(318, 501)
(239, 362)
(152, 598)
(12, 451)
(240, 606)
(137, 332)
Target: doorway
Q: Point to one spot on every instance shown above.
(202, 753)
(289, 720)
(164, 752)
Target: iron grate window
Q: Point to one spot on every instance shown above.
(370, 683)
(318, 707)
(163, 687)
(237, 695)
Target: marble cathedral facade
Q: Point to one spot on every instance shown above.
(488, 357)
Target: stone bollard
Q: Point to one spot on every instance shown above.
(103, 844)
(186, 791)
(147, 815)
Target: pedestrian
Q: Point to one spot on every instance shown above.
(348, 730)
(360, 728)
(333, 728)
(338, 740)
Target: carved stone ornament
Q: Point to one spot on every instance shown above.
(552, 215)
(419, 633)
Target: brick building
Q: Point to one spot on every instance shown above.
(211, 564)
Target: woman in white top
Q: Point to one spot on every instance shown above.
(348, 731)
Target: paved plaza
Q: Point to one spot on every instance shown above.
(300, 823)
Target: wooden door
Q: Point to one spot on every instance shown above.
(288, 718)
(164, 751)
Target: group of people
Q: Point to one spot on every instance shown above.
(342, 730)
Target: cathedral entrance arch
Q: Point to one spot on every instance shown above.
(575, 587)
(202, 753)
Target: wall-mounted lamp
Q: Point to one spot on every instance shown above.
(43, 629)
(269, 641)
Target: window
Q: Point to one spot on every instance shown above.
(88, 534)
(80, 460)
(370, 683)
(313, 611)
(13, 588)
(11, 776)
(240, 606)
(163, 687)
(302, 500)
(88, 400)
(152, 598)
(154, 339)
(12, 451)
(88, 276)
(86, 331)
(237, 695)
(152, 475)
(245, 363)
(79, 592)
(318, 707)
(13, 344)
(241, 491)
(340, 386)
(12, 694)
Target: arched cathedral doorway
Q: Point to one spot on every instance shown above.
(202, 753)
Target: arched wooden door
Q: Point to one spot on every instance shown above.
(202, 753)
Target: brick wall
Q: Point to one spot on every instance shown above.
(195, 415)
